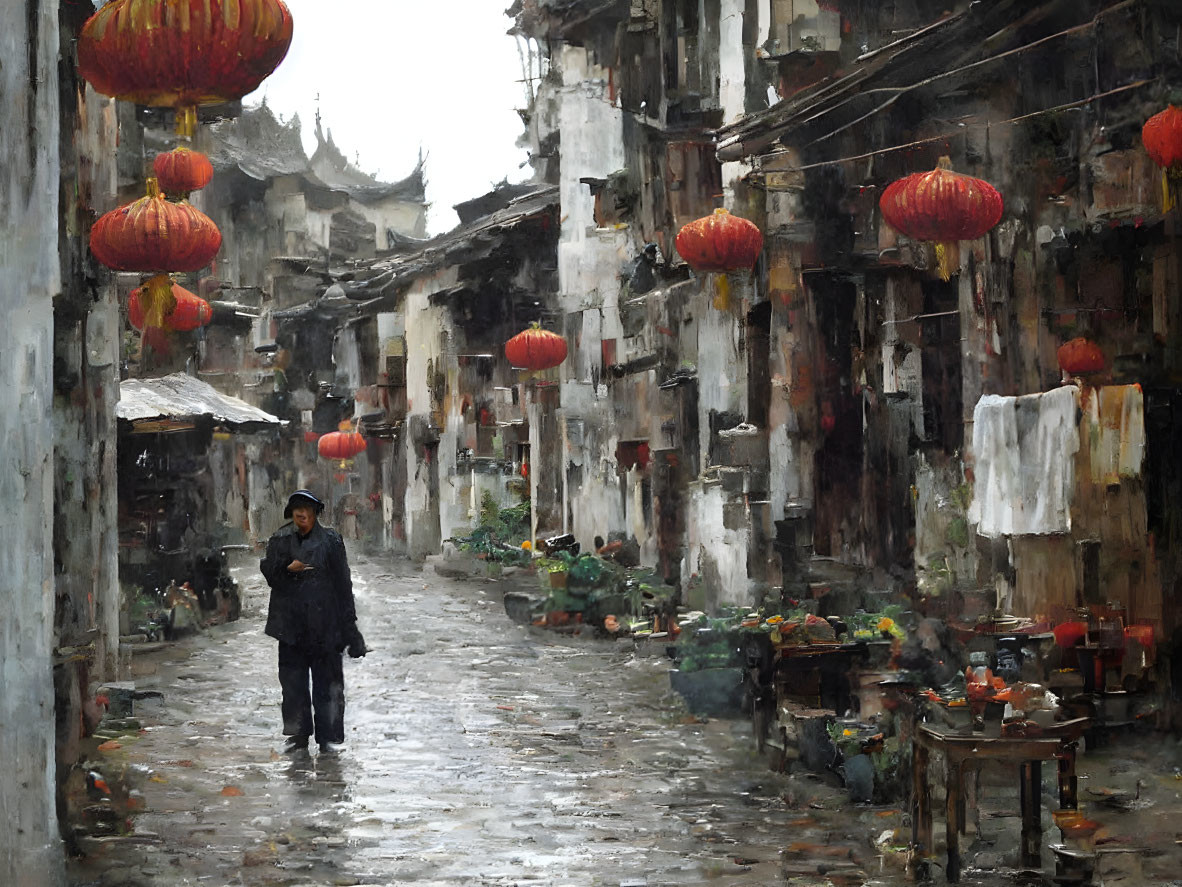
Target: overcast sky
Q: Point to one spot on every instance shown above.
(393, 76)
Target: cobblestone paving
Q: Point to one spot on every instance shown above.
(479, 752)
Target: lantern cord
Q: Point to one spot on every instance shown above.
(186, 122)
(943, 137)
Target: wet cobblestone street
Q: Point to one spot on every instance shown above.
(478, 752)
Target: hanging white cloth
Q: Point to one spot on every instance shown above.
(1024, 463)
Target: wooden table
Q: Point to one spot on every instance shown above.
(966, 751)
(832, 664)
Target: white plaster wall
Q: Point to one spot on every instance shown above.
(30, 854)
(317, 224)
(905, 375)
(347, 359)
(592, 145)
(714, 553)
(732, 60)
(453, 498)
(597, 506)
(722, 370)
(402, 216)
(589, 263)
(425, 326)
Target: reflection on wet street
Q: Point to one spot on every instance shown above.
(478, 751)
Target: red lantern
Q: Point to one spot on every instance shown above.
(536, 349)
(340, 445)
(189, 311)
(1080, 356)
(183, 53)
(181, 170)
(942, 206)
(155, 236)
(152, 234)
(1162, 137)
(310, 437)
(720, 242)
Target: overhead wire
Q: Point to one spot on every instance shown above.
(960, 131)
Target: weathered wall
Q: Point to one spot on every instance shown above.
(87, 334)
(429, 435)
(403, 217)
(31, 276)
(589, 264)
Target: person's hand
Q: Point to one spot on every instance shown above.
(297, 566)
(356, 648)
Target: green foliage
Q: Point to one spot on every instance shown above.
(500, 532)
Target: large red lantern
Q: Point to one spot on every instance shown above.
(942, 206)
(720, 242)
(1162, 137)
(1080, 356)
(340, 445)
(183, 53)
(154, 236)
(536, 349)
(182, 170)
(189, 312)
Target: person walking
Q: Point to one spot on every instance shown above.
(312, 615)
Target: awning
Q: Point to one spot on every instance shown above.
(180, 397)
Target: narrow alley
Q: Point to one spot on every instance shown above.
(758, 458)
(478, 752)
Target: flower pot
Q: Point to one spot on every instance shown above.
(558, 578)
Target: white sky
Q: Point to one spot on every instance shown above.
(396, 75)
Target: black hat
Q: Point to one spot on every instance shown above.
(295, 499)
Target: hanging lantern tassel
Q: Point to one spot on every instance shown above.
(948, 258)
(158, 300)
(1169, 188)
(722, 292)
(158, 303)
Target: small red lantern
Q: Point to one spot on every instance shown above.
(1080, 356)
(536, 349)
(720, 242)
(311, 437)
(942, 206)
(340, 445)
(183, 53)
(182, 170)
(1162, 137)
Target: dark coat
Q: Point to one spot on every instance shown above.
(312, 609)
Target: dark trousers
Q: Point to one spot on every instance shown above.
(326, 701)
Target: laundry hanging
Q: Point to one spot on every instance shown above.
(1114, 418)
(1024, 463)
